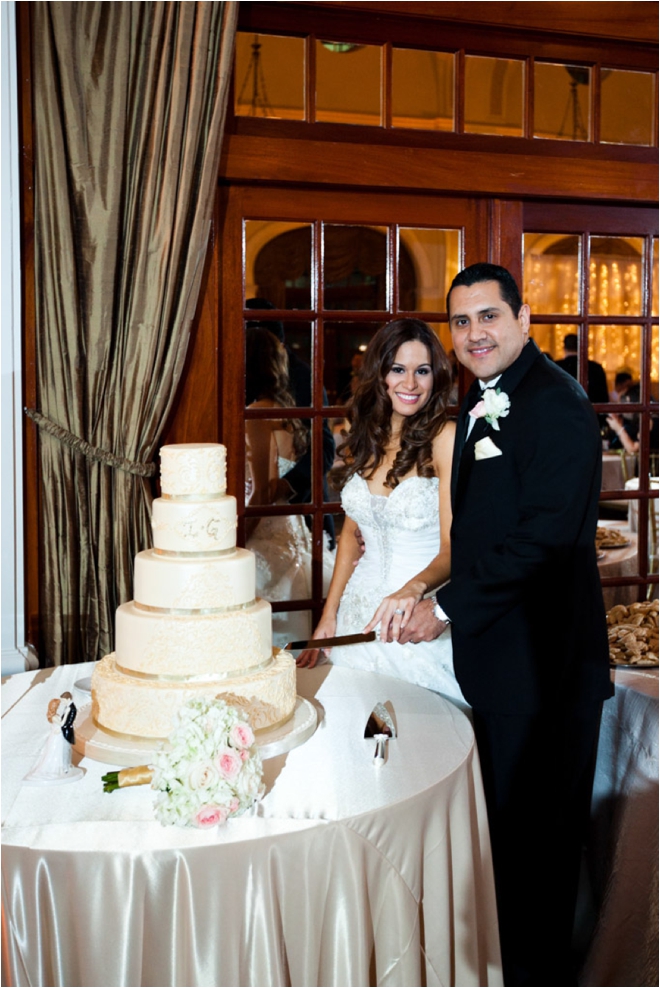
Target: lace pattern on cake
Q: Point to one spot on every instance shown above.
(177, 641)
(186, 471)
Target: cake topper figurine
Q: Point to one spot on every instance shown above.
(53, 767)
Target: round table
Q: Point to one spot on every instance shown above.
(345, 874)
(619, 562)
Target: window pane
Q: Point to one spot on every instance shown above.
(494, 95)
(562, 100)
(348, 83)
(550, 339)
(428, 262)
(626, 107)
(615, 276)
(268, 368)
(619, 351)
(442, 331)
(273, 447)
(551, 273)
(354, 267)
(269, 76)
(278, 263)
(422, 89)
(344, 344)
(654, 302)
(654, 363)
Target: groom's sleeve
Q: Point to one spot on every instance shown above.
(557, 470)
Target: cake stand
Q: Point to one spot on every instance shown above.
(91, 741)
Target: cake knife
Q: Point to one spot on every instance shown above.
(327, 642)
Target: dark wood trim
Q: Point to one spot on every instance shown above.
(342, 165)
(358, 135)
(441, 26)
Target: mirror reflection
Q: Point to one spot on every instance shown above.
(494, 95)
(262, 87)
(422, 89)
(435, 258)
(344, 344)
(348, 83)
(278, 263)
(562, 101)
(626, 107)
(354, 267)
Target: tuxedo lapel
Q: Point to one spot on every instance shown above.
(462, 425)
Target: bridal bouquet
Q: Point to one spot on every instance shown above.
(211, 769)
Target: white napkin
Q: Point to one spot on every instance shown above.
(485, 448)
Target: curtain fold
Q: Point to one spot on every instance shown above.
(129, 104)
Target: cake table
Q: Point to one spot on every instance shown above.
(345, 874)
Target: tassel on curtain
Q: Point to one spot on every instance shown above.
(129, 104)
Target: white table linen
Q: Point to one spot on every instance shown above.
(619, 562)
(343, 875)
(624, 844)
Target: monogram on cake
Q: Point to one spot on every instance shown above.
(194, 627)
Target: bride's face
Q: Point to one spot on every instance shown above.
(409, 381)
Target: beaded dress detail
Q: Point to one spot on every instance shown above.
(402, 535)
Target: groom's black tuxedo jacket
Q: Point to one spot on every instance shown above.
(525, 600)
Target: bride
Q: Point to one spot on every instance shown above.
(282, 544)
(396, 474)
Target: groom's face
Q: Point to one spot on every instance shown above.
(487, 337)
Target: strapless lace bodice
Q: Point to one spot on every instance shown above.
(401, 533)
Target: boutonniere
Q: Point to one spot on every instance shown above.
(494, 405)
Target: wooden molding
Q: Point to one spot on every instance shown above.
(319, 163)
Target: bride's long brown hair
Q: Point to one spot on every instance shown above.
(370, 410)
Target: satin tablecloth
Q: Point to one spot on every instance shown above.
(343, 875)
(624, 843)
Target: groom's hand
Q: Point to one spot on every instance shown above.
(423, 625)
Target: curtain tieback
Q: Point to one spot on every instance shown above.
(91, 452)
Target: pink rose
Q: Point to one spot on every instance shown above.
(479, 410)
(210, 816)
(233, 806)
(244, 755)
(228, 764)
(241, 736)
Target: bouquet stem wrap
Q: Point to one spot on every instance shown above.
(141, 775)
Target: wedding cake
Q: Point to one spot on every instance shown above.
(194, 627)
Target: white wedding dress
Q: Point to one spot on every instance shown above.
(402, 535)
(283, 549)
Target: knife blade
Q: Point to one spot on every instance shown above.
(327, 642)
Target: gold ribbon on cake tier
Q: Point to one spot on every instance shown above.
(187, 611)
(194, 497)
(207, 553)
(242, 673)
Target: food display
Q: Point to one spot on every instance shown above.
(633, 634)
(610, 538)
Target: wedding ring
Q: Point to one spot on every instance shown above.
(398, 611)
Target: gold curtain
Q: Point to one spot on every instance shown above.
(129, 104)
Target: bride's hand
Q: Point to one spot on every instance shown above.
(310, 656)
(394, 612)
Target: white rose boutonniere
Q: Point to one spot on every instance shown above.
(494, 405)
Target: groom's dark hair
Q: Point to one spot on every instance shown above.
(476, 273)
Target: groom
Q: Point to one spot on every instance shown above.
(526, 612)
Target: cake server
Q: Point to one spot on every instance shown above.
(327, 642)
(380, 726)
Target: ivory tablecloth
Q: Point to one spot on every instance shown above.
(624, 843)
(343, 875)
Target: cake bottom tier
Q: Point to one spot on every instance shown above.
(147, 708)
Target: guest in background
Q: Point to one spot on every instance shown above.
(296, 485)
(596, 380)
(622, 384)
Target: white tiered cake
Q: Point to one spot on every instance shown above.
(194, 627)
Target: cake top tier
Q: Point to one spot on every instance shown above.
(189, 469)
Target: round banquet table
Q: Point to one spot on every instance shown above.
(619, 562)
(344, 874)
